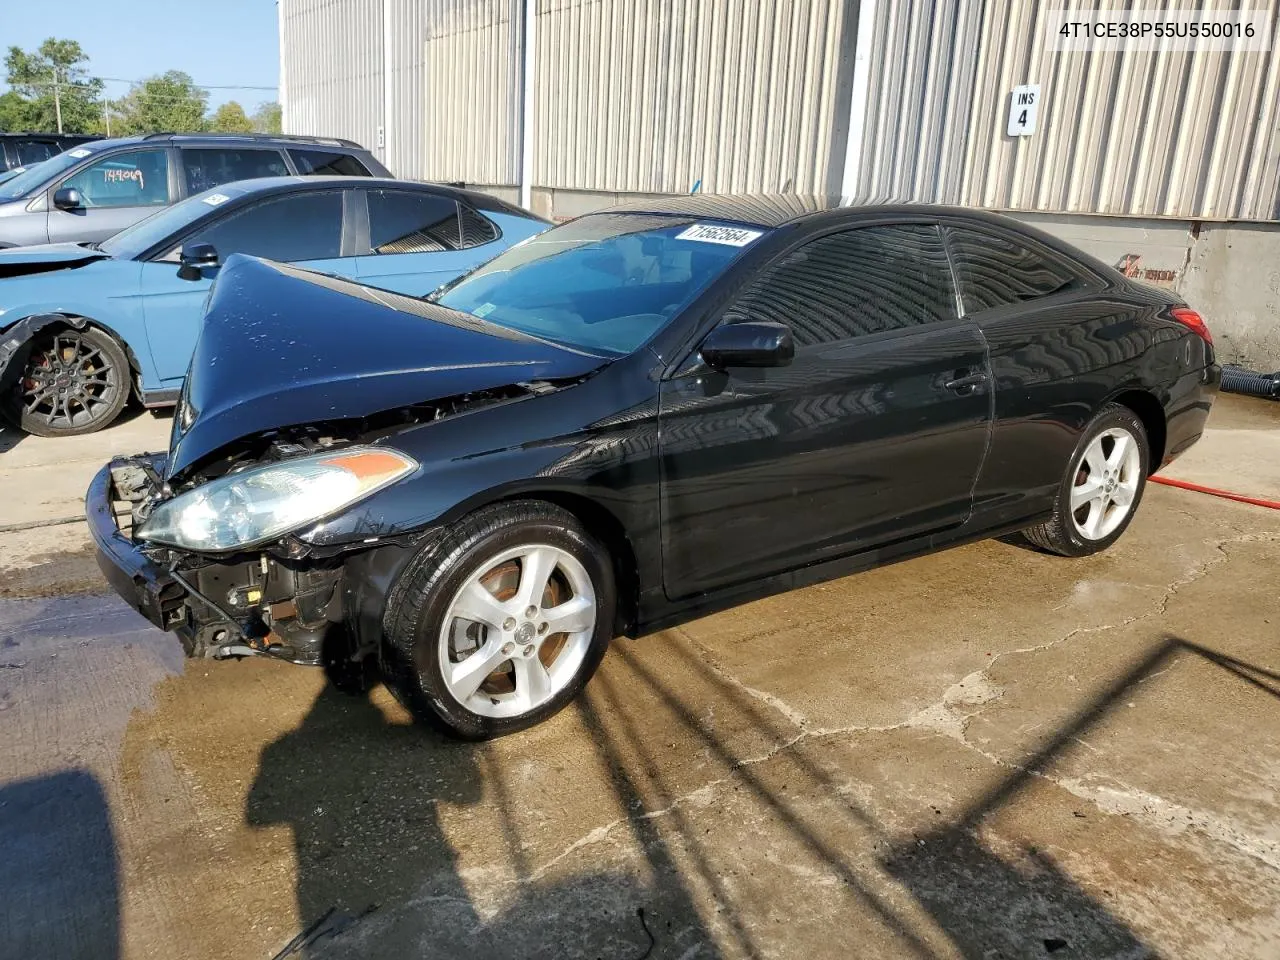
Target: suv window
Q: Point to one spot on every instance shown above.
(304, 226)
(206, 167)
(402, 222)
(854, 283)
(136, 179)
(326, 163)
(993, 271)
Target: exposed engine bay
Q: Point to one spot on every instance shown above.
(283, 599)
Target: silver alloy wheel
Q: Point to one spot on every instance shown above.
(516, 633)
(1106, 483)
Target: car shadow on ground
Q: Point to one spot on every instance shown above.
(58, 878)
(377, 876)
(10, 437)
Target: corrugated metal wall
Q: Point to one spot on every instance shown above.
(470, 91)
(405, 131)
(1167, 133)
(654, 95)
(332, 65)
(748, 96)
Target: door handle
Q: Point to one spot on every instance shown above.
(964, 383)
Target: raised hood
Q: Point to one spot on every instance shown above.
(283, 347)
(23, 261)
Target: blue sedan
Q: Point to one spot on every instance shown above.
(84, 326)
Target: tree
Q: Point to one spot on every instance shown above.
(230, 118)
(267, 118)
(168, 102)
(52, 80)
(15, 113)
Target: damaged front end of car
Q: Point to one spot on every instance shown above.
(221, 556)
(310, 455)
(272, 599)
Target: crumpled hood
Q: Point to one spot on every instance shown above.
(282, 346)
(23, 261)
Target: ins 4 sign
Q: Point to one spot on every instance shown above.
(1023, 107)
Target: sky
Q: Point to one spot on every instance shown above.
(229, 43)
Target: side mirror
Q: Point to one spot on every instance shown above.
(68, 198)
(196, 258)
(750, 344)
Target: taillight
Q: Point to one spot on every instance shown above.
(1189, 318)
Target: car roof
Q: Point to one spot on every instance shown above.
(34, 135)
(263, 185)
(776, 210)
(243, 139)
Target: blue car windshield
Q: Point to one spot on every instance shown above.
(38, 175)
(604, 283)
(142, 236)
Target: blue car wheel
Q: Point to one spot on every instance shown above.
(74, 382)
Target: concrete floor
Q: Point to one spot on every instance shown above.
(985, 753)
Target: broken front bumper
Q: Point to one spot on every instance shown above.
(143, 583)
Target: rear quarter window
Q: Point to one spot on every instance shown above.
(327, 163)
(993, 270)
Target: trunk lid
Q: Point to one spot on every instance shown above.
(282, 346)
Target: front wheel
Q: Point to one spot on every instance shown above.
(75, 382)
(501, 621)
(1102, 487)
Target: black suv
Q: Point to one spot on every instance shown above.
(95, 190)
(26, 149)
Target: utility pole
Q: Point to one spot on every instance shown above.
(106, 115)
(57, 99)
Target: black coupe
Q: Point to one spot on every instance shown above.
(628, 421)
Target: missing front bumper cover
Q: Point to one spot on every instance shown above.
(295, 605)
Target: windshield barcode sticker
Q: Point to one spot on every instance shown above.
(79, 154)
(730, 236)
(216, 199)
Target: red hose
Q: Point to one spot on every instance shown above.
(1215, 492)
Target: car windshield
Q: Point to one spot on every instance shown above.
(15, 172)
(38, 175)
(142, 236)
(605, 283)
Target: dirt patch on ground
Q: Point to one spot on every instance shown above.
(53, 575)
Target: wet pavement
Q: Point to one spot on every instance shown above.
(984, 753)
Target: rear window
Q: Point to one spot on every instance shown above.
(993, 271)
(30, 152)
(326, 163)
(403, 222)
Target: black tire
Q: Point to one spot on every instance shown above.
(74, 382)
(1062, 533)
(420, 598)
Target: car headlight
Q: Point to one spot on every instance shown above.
(264, 503)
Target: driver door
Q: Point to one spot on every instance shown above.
(874, 432)
(301, 228)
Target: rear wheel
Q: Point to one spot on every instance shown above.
(1102, 487)
(500, 623)
(75, 382)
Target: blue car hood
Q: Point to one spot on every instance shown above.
(281, 346)
(23, 261)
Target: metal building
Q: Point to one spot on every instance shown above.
(1161, 160)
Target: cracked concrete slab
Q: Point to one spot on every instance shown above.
(984, 753)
